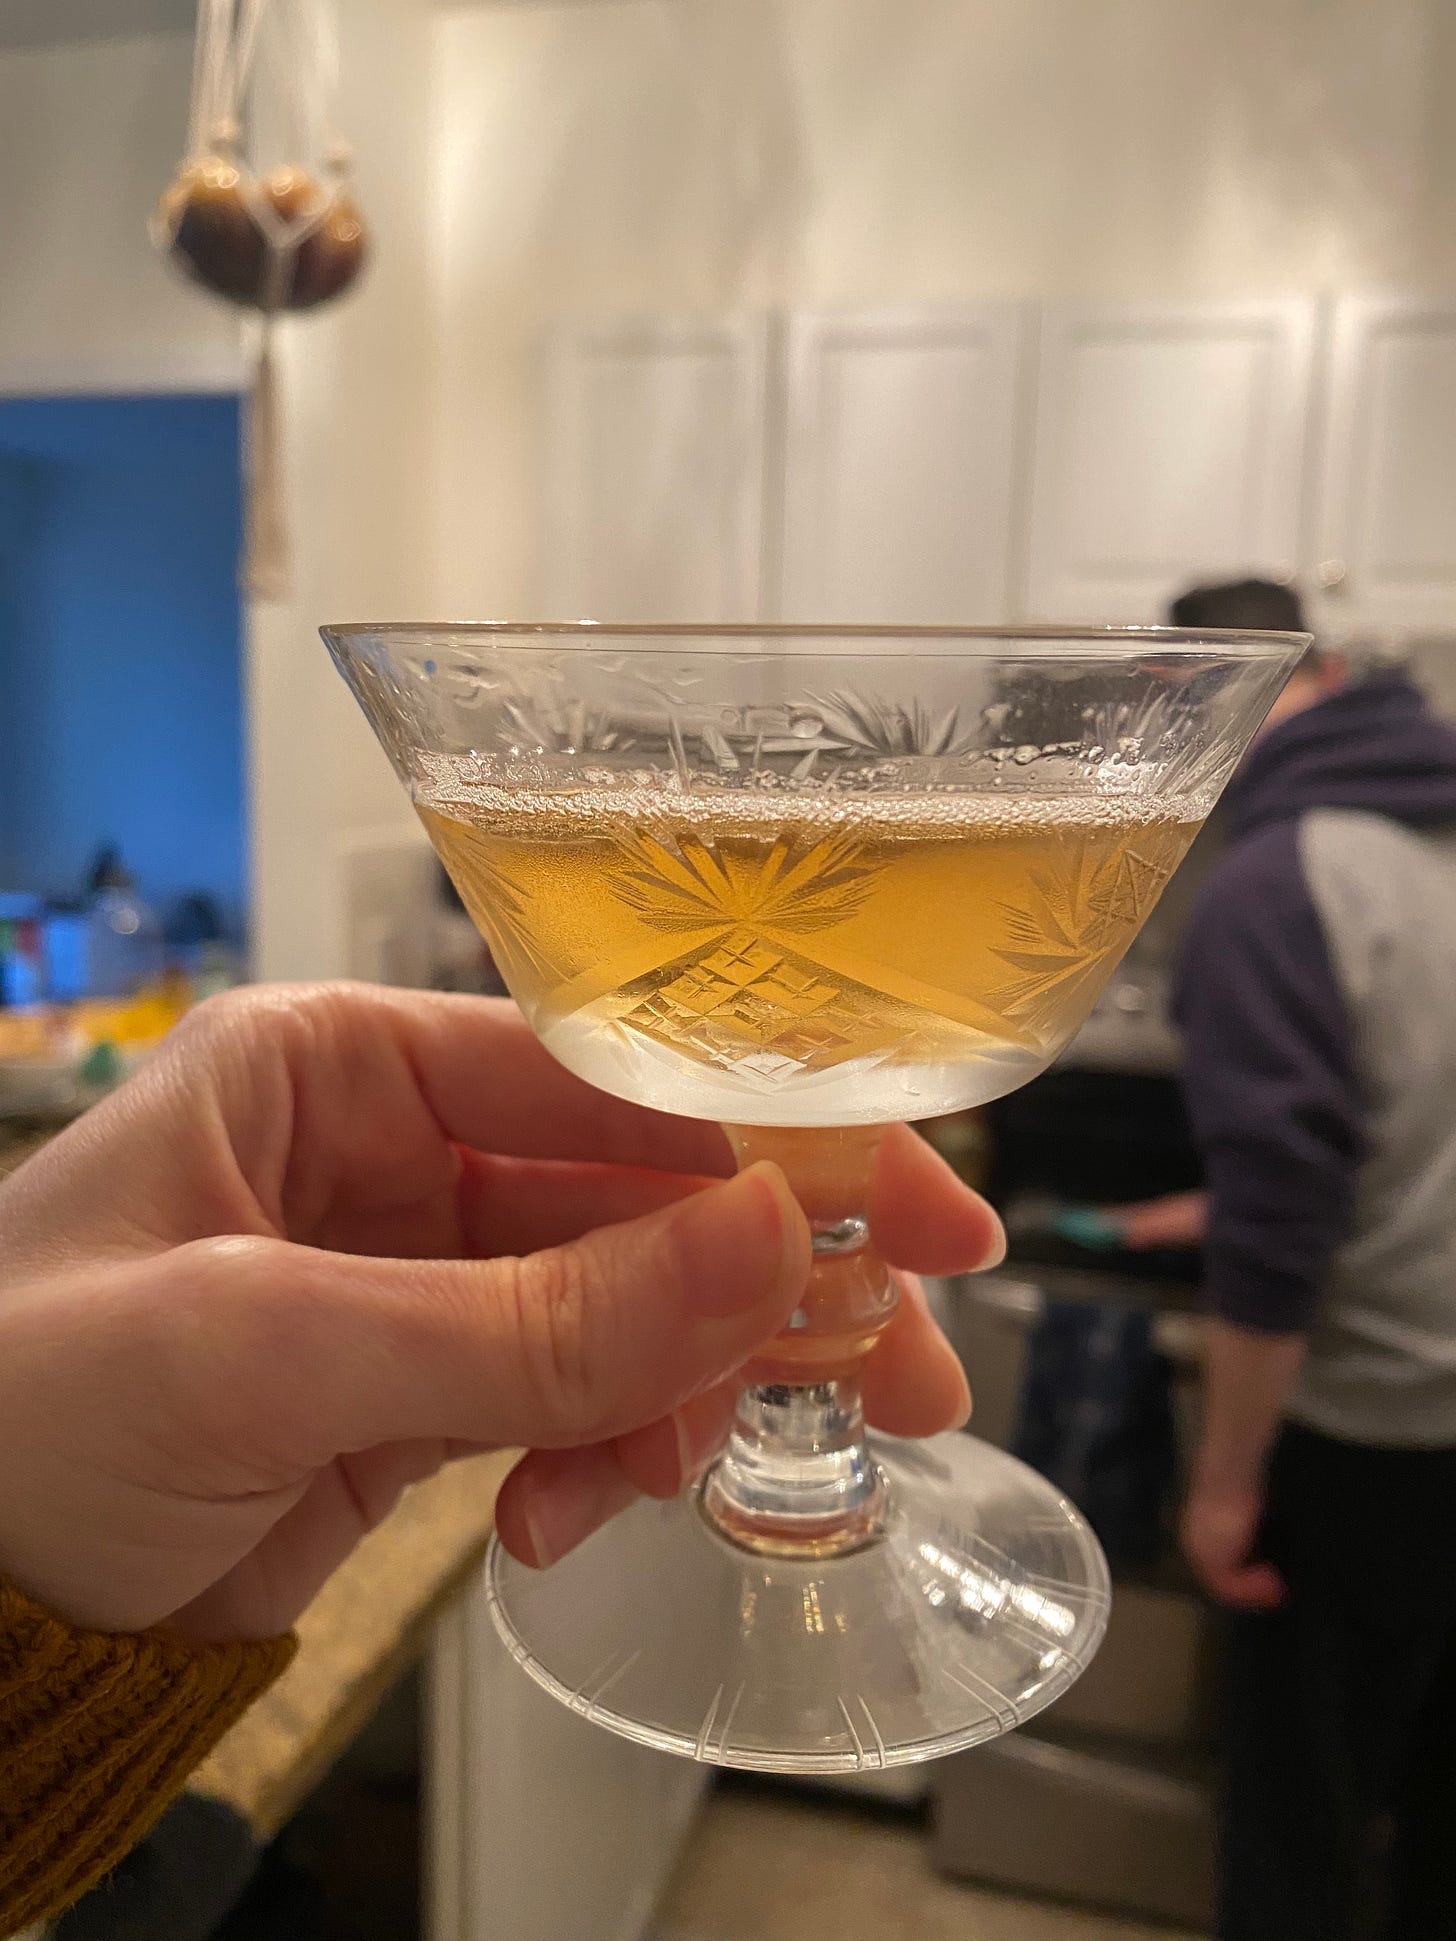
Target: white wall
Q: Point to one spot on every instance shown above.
(695, 153)
(680, 154)
(358, 398)
(89, 137)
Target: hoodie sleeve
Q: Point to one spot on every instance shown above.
(1271, 1087)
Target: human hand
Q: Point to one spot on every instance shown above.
(331, 1236)
(1174, 1220)
(1220, 1533)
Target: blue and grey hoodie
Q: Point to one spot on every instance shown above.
(1316, 995)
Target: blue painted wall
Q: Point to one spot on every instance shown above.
(120, 643)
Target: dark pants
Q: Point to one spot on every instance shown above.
(1339, 1816)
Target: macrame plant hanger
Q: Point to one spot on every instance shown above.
(260, 213)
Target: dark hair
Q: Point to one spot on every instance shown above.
(1256, 605)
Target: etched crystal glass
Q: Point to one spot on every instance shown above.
(809, 882)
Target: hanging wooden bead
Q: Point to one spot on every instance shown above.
(287, 242)
(271, 239)
(333, 247)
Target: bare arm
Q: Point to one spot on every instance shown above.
(1247, 1381)
(1175, 1220)
(1248, 1378)
(1277, 1111)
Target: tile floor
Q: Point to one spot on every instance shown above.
(774, 1867)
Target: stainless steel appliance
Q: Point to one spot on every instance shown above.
(1107, 1798)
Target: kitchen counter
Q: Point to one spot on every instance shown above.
(401, 1589)
(18, 1140)
(362, 1632)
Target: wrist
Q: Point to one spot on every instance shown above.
(102, 1729)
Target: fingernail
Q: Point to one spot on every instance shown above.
(700, 1435)
(998, 1245)
(685, 1457)
(742, 1245)
(558, 1519)
(695, 1450)
(960, 1410)
(963, 1414)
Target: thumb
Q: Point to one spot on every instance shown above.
(571, 1345)
(1250, 1587)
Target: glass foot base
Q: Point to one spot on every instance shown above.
(983, 1601)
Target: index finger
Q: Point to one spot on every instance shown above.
(923, 1216)
(490, 1083)
(493, 1085)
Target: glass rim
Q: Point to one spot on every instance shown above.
(512, 635)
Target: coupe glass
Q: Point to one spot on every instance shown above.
(811, 881)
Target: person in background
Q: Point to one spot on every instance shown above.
(1316, 998)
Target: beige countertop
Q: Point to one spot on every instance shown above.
(18, 1140)
(363, 1630)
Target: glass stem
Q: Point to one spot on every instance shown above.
(795, 1478)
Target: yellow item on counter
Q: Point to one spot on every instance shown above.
(31, 1031)
(51, 1032)
(133, 1023)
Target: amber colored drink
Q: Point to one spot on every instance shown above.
(827, 960)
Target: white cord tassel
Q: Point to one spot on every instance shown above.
(284, 238)
(267, 565)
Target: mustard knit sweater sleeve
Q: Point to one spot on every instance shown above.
(98, 1732)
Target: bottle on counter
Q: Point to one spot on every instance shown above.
(197, 944)
(124, 948)
(21, 959)
(65, 937)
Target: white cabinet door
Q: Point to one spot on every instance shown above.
(654, 481)
(540, 1826)
(899, 464)
(1170, 445)
(1387, 491)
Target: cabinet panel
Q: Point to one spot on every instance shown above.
(541, 1826)
(1170, 444)
(899, 464)
(654, 482)
(1387, 490)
